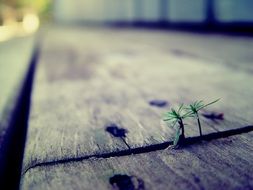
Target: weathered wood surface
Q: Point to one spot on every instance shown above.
(90, 78)
(15, 57)
(219, 164)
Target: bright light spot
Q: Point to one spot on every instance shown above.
(31, 23)
(12, 28)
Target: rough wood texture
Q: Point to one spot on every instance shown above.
(88, 79)
(219, 164)
(14, 61)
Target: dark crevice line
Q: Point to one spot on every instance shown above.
(149, 148)
(14, 140)
(124, 141)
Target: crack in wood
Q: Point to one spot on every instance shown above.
(149, 148)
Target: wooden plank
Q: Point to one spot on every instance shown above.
(14, 61)
(219, 164)
(89, 79)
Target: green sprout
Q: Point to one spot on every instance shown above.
(195, 108)
(176, 117)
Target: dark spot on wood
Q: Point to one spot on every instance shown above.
(63, 70)
(158, 103)
(116, 131)
(125, 182)
(178, 52)
(182, 53)
(214, 116)
(196, 179)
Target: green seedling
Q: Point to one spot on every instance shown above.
(195, 108)
(174, 117)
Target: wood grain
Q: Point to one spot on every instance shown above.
(89, 78)
(219, 164)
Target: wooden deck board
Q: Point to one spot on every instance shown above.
(14, 62)
(219, 164)
(88, 79)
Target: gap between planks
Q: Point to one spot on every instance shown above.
(146, 149)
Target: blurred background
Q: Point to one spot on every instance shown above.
(193, 11)
(22, 17)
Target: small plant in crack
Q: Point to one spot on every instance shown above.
(194, 109)
(175, 118)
